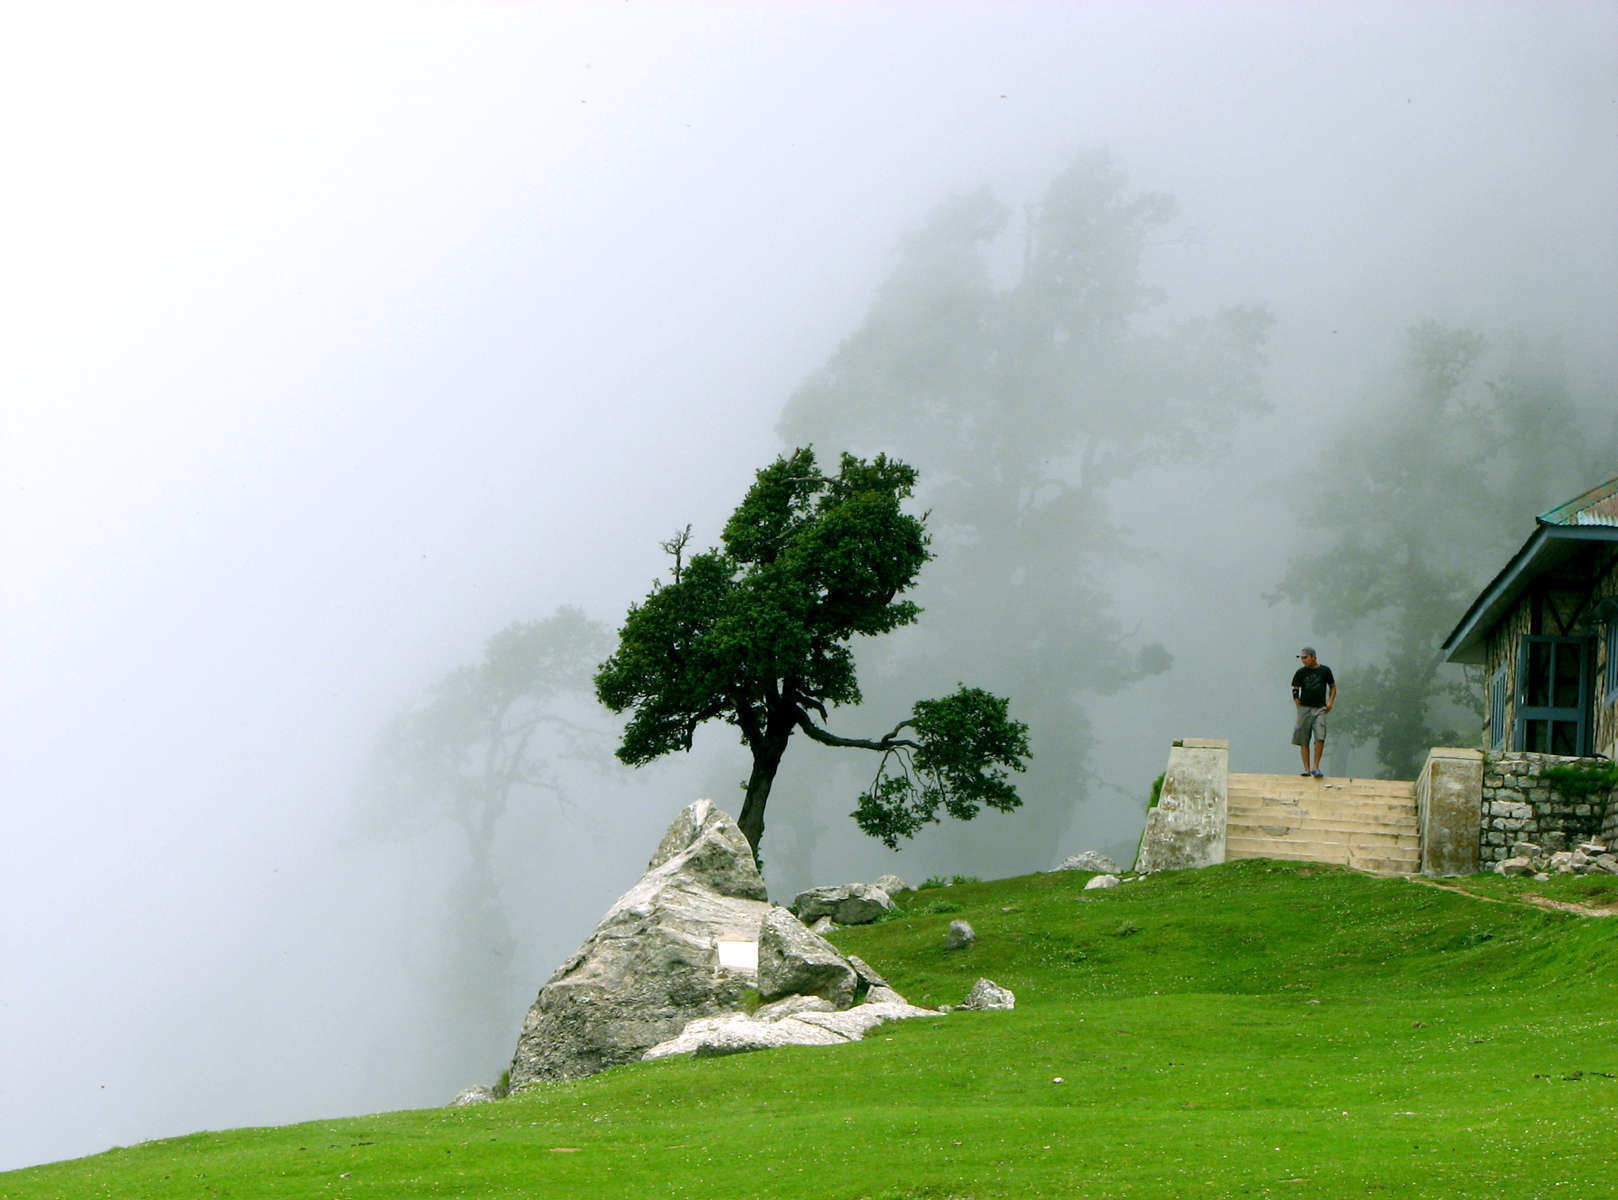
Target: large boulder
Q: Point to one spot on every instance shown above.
(794, 962)
(679, 945)
(847, 904)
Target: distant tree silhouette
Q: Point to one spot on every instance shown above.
(1022, 402)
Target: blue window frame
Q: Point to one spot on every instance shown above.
(1612, 661)
(1555, 680)
(1498, 690)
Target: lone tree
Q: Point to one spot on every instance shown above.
(757, 634)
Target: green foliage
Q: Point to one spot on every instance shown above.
(757, 634)
(502, 1086)
(1157, 791)
(1409, 510)
(922, 908)
(1582, 780)
(1367, 1037)
(964, 747)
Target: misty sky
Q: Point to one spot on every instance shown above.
(337, 336)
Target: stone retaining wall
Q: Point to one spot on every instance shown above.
(1519, 806)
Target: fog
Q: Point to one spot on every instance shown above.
(338, 337)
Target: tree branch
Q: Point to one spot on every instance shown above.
(889, 741)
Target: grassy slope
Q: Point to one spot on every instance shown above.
(1248, 1030)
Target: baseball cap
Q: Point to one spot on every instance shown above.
(1307, 651)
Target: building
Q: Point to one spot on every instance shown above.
(1545, 630)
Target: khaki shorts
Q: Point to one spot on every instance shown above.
(1311, 722)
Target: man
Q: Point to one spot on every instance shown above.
(1314, 691)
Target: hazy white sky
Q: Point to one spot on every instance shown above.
(335, 336)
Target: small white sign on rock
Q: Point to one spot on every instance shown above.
(737, 956)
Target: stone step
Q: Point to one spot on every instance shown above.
(1322, 796)
(1345, 784)
(1370, 816)
(1327, 831)
(1369, 859)
(1366, 824)
(1384, 844)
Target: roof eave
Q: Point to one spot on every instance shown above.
(1465, 644)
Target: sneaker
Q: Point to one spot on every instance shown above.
(1317, 774)
(1305, 774)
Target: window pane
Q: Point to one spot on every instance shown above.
(1533, 736)
(1564, 737)
(1538, 686)
(1568, 658)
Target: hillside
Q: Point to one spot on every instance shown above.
(1253, 1029)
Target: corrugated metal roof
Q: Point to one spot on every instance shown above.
(1598, 506)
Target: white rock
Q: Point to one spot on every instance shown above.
(986, 995)
(1090, 860)
(1102, 881)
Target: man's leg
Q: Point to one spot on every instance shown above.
(1303, 752)
(1320, 748)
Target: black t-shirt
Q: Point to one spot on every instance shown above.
(1311, 685)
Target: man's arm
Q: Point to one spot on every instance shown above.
(1331, 696)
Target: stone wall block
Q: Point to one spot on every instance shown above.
(1450, 797)
(1187, 828)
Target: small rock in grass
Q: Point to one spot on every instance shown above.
(986, 995)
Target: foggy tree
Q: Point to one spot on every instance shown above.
(757, 635)
(1410, 510)
(1022, 403)
(486, 733)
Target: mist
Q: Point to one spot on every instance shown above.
(340, 337)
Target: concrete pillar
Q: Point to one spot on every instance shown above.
(1449, 810)
(1187, 828)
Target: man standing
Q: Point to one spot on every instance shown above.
(1314, 691)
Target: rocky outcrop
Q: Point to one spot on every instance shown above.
(1090, 860)
(672, 967)
(960, 936)
(674, 948)
(846, 904)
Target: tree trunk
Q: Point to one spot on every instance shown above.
(766, 761)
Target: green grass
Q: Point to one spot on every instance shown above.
(1242, 1031)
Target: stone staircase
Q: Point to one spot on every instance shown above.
(1366, 824)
